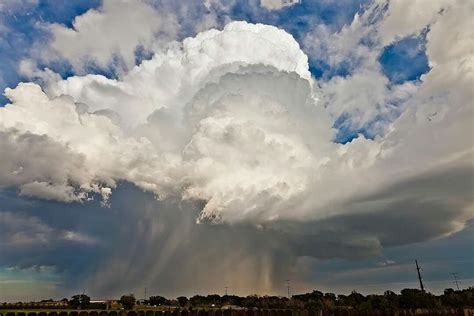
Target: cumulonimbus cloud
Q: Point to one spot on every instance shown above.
(233, 118)
(229, 127)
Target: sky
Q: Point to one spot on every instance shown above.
(189, 146)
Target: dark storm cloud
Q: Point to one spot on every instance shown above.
(417, 209)
(157, 244)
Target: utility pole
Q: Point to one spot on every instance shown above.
(418, 268)
(455, 276)
(145, 295)
(226, 290)
(288, 287)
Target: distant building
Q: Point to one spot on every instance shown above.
(235, 307)
(109, 303)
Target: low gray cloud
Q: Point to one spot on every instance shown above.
(157, 244)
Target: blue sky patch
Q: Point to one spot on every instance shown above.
(22, 23)
(405, 60)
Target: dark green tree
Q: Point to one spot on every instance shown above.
(312, 301)
(79, 301)
(213, 299)
(182, 301)
(128, 301)
(158, 300)
(232, 300)
(391, 300)
(452, 298)
(355, 299)
(197, 300)
(414, 298)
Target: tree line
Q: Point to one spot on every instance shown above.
(316, 300)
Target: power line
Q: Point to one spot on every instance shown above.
(418, 268)
(455, 276)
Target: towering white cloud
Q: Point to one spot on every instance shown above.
(111, 34)
(170, 79)
(111, 116)
(241, 129)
